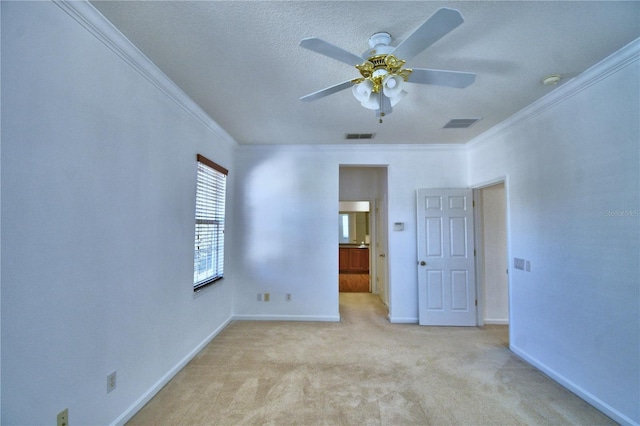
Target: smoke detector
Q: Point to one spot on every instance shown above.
(551, 80)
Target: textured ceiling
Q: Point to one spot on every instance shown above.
(240, 61)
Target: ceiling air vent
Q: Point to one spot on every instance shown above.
(460, 123)
(359, 135)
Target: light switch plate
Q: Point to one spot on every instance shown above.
(111, 382)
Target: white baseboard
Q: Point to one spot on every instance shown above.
(402, 320)
(582, 393)
(146, 397)
(496, 322)
(320, 318)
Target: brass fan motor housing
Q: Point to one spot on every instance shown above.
(388, 63)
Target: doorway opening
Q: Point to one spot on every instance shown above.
(492, 259)
(354, 237)
(362, 230)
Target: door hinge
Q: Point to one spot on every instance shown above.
(476, 302)
(473, 203)
(507, 271)
(474, 252)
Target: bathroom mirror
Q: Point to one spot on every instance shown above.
(353, 222)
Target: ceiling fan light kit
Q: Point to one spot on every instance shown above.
(383, 78)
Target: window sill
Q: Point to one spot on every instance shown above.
(201, 286)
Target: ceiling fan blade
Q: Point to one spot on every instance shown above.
(431, 30)
(327, 49)
(327, 91)
(456, 79)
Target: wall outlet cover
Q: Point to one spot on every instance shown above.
(518, 263)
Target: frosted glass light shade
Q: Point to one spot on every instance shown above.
(372, 103)
(362, 91)
(392, 86)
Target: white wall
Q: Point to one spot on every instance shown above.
(286, 224)
(0, 231)
(98, 195)
(572, 162)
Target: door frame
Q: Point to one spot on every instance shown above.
(380, 250)
(375, 234)
(479, 244)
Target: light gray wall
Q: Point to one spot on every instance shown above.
(98, 195)
(286, 224)
(360, 183)
(572, 167)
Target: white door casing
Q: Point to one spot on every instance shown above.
(446, 276)
(380, 252)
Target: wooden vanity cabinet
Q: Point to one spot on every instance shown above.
(354, 260)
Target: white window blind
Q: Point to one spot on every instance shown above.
(208, 265)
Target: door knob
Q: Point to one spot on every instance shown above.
(422, 263)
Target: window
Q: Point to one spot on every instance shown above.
(344, 229)
(208, 263)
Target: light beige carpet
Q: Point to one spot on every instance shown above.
(362, 371)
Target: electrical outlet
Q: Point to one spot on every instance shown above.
(266, 297)
(63, 418)
(259, 297)
(111, 382)
(518, 263)
(288, 297)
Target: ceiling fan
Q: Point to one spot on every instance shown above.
(383, 77)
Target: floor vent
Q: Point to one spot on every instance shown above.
(460, 123)
(359, 135)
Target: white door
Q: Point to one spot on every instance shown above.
(446, 276)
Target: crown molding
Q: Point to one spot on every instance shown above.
(618, 60)
(353, 147)
(93, 21)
